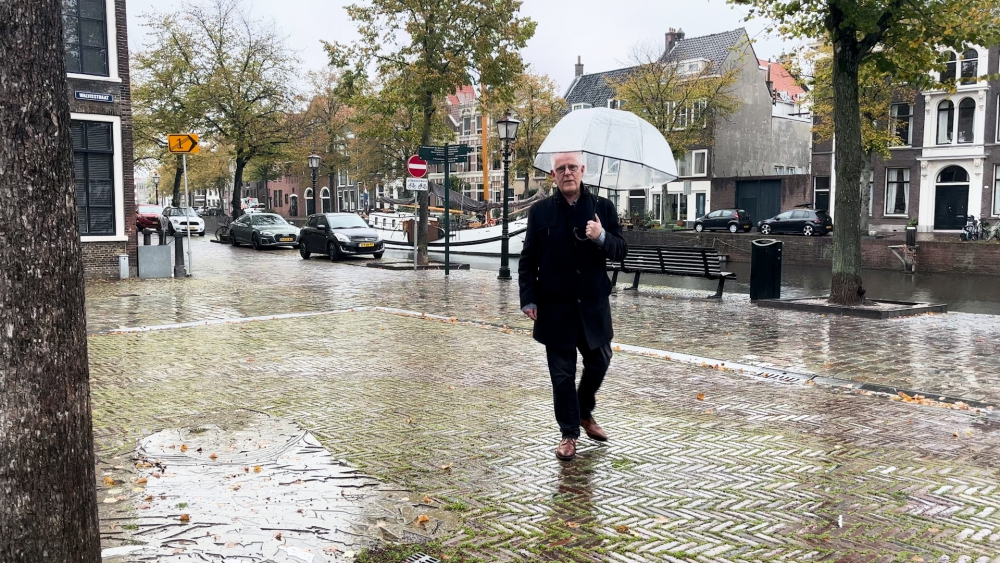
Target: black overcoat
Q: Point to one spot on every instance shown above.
(565, 277)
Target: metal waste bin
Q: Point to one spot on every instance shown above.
(765, 269)
(911, 236)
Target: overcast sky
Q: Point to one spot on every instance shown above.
(601, 32)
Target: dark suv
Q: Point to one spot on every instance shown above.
(809, 222)
(732, 220)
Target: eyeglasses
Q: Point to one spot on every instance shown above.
(571, 168)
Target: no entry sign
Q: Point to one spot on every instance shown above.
(416, 166)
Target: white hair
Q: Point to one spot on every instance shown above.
(578, 154)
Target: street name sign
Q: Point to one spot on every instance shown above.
(94, 96)
(186, 143)
(440, 154)
(416, 184)
(416, 166)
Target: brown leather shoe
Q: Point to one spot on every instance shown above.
(567, 449)
(593, 430)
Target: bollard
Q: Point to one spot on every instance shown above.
(161, 236)
(146, 236)
(179, 270)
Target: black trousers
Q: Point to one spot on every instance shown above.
(572, 403)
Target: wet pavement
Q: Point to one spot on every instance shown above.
(450, 417)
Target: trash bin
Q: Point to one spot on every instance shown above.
(765, 269)
(911, 236)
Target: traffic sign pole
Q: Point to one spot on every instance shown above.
(447, 214)
(184, 158)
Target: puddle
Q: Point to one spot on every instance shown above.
(269, 492)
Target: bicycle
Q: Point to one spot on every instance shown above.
(222, 233)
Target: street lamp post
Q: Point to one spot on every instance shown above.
(156, 188)
(314, 161)
(507, 132)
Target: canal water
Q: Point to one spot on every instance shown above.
(961, 292)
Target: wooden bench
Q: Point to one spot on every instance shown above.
(694, 261)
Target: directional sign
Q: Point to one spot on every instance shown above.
(186, 143)
(438, 154)
(416, 166)
(416, 184)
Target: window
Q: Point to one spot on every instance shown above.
(966, 118)
(946, 120)
(970, 66)
(897, 191)
(693, 163)
(286, 199)
(902, 123)
(466, 125)
(996, 191)
(85, 37)
(479, 124)
(821, 193)
(779, 169)
(784, 216)
(93, 166)
(293, 205)
(657, 208)
(580, 106)
(342, 178)
(800, 214)
(616, 104)
(949, 72)
(614, 197)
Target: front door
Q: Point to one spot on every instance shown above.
(760, 198)
(636, 202)
(951, 205)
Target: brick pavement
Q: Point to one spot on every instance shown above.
(703, 465)
(953, 354)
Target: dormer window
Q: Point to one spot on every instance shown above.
(616, 104)
(690, 67)
(575, 107)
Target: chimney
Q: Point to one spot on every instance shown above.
(672, 37)
(579, 67)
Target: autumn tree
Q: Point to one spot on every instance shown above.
(47, 482)
(238, 78)
(683, 105)
(876, 93)
(435, 47)
(903, 38)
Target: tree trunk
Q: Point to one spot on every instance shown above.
(49, 507)
(238, 188)
(845, 287)
(176, 199)
(422, 197)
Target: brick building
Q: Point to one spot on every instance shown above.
(97, 69)
(947, 165)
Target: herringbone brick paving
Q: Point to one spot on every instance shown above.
(953, 354)
(702, 465)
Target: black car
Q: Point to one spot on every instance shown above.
(732, 220)
(809, 222)
(338, 235)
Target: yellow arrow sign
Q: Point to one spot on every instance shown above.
(186, 143)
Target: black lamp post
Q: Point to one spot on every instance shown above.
(156, 188)
(507, 131)
(314, 160)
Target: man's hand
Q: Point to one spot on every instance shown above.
(594, 228)
(532, 313)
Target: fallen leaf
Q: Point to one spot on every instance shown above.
(249, 359)
(422, 519)
(446, 467)
(409, 420)
(428, 499)
(148, 498)
(141, 481)
(701, 396)
(277, 536)
(109, 481)
(110, 500)
(572, 524)
(184, 518)
(184, 447)
(558, 543)
(621, 529)
(257, 469)
(331, 549)
(213, 457)
(660, 520)
(231, 544)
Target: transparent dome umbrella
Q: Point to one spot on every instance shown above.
(621, 150)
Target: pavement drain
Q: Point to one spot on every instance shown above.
(266, 492)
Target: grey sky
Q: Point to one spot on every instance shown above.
(600, 32)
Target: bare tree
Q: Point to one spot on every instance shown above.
(47, 483)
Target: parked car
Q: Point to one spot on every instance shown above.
(732, 220)
(339, 234)
(213, 212)
(809, 222)
(263, 229)
(147, 217)
(181, 220)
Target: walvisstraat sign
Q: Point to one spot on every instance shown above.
(94, 97)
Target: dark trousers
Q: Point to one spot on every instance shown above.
(572, 403)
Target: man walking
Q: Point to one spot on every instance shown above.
(564, 289)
